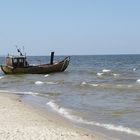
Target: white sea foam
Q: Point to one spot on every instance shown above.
(66, 113)
(116, 75)
(83, 83)
(99, 74)
(129, 86)
(94, 85)
(118, 128)
(19, 92)
(51, 83)
(134, 69)
(106, 71)
(28, 93)
(5, 91)
(138, 81)
(46, 75)
(119, 85)
(1, 77)
(39, 82)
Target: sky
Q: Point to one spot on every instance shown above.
(70, 27)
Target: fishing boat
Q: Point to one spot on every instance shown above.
(19, 65)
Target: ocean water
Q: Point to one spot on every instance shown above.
(99, 92)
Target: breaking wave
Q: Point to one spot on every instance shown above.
(46, 75)
(28, 93)
(99, 74)
(49, 83)
(39, 82)
(66, 113)
(106, 71)
(84, 83)
(111, 86)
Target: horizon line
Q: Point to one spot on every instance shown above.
(79, 54)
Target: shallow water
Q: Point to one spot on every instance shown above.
(102, 91)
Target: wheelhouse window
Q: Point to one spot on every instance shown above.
(15, 60)
(21, 60)
(18, 62)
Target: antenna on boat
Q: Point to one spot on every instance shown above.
(23, 49)
(19, 51)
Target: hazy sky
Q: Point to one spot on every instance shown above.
(70, 26)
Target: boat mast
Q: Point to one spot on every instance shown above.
(19, 51)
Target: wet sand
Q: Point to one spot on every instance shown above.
(21, 121)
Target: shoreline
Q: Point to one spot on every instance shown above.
(21, 120)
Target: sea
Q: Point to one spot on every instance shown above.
(97, 92)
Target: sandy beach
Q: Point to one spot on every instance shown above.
(20, 121)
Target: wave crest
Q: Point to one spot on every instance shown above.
(39, 82)
(66, 113)
(106, 71)
(99, 74)
(49, 83)
(19, 92)
(46, 75)
(111, 86)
